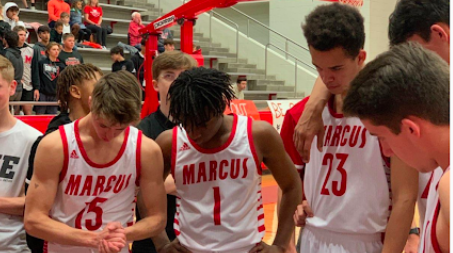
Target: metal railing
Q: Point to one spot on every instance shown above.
(211, 15)
(296, 65)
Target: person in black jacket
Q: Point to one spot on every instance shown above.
(119, 63)
(39, 53)
(138, 60)
(13, 54)
(74, 87)
(49, 69)
(4, 28)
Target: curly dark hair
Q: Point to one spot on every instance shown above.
(198, 95)
(335, 25)
(73, 75)
(416, 17)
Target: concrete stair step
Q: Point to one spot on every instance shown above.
(220, 53)
(230, 60)
(275, 88)
(263, 82)
(236, 65)
(246, 70)
(250, 76)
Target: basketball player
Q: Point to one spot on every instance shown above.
(349, 176)
(166, 68)
(74, 86)
(215, 160)
(16, 139)
(424, 21)
(89, 170)
(403, 98)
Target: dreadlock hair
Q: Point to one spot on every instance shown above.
(74, 75)
(198, 95)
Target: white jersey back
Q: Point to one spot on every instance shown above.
(347, 184)
(90, 195)
(219, 207)
(428, 241)
(15, 145)
(424, 182)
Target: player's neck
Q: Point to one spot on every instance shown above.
(165, 108)
(440, 146)
(7, 121)
(76, 111)
(222, 134)
(338, 103)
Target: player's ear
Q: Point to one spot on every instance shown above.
(410, 127)
(362, 57)
(75, 91)
(440, 32)
(155, 85)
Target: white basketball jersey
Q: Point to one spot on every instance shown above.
(347, 184)
(219, 207)
(428, 240)
(424, 182)
(90, 195)
(15, 145)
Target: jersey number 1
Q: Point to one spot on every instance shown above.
(91, 207)
(216, 205)
(328, 160)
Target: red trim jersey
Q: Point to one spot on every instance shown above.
(219, 208)
(89, 194)
(428, 242)
(347, 184)
(424, 183)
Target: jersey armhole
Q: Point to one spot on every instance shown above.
(434, 241)
(174, 142)
(138, 160)
(64, 140)
(252, 145)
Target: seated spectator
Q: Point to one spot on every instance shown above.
(138, 60)
(76, 22)
(93, 21)
(119, 63)
(198, 55)
(134, 27)
(166, 34)
(13, 54)
(67, 55)
(55, 8)
(169, 45)
(56, 33)
(240, 86)
(49, 68)
(32, 4)
(11, 15)
(64, 18)
(27, 56)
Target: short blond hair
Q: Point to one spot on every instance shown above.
(6, 69)
(172, 60)
(117, 98)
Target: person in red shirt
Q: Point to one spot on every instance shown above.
(136, 24)
(55, 8)
(93, 20)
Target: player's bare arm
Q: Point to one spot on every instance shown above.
(153, 201)
(404, 183)
(443, 222)
(13, 206)
(310, 124)
(270, 150)
(47, 167)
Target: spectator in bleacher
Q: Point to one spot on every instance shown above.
(166, 34)
(32, 4)
(241, 84)
(39, 53)
(14, 56)
(55, 8)
(11, 15)
(64, 18)
(134, 27)
(49, 68)
(169, 45)
(93, 21)
(56, 34)
(138, 60)
(76, 20)
(28, 92)
(67, 55)
(119, 63)
(4, 27)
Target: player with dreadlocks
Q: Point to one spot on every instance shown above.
(215, 160)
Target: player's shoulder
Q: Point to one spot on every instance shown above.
(262, 129)
(28, 132)
(296, 111)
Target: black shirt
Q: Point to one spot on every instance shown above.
(152, 126)
(123, 65)
(70, 58)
